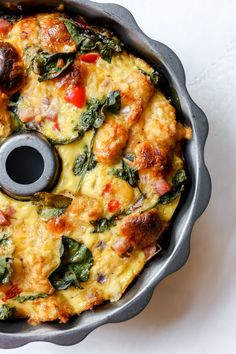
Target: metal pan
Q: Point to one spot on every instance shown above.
(18, 333)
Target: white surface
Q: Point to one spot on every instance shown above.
(194, 310)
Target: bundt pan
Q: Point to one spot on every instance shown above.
(18, 333)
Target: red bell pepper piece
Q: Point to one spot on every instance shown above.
(113, 205)
(12, 292)
(4, 219)
(90, 58)
(76, 96)
(107, 189)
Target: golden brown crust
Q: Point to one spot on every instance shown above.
(54, 35)
(110, 142)
(136, 97)
(150, 155)
(28, 28)
(142, 230)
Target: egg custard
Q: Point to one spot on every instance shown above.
(63, 252)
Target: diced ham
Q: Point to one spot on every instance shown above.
(6, 215)
(161, 186)
(149, 251)
(10, 211)
(113, 205)
(121, 246)
(4, 221)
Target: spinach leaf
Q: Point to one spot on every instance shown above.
(50, 66)
(16, 124)
(21, 299)
(178, 187)
(5, 269)
(103, 225)
(94, 116)
(127, 173)
(50, 205)
(113, 102)
(51, 200)
(76, 262)
(6, 312)
(73, 28)
(78, 135)
(83, 159)
(80, 161)
(93, 40)
(50, 213)
(154, 76)
(179, 178)
(89, 161)
(152, 206)
(4, 239)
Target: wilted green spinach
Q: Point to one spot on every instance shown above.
(103, 225)
(4, 238)
(94, 116)
(86, 161)
(50, 205)
(127, 173)
(178, 182)
(178, 187)
(93, 40)
(154, 76)
(6, 312)
(85, 158)
(76, 262)
(50, 66)
(21, 299)
(5, 269)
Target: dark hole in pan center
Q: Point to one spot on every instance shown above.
(25, 165)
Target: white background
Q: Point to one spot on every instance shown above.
(194, 310)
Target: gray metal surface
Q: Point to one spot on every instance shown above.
(137, 297)
(43, 159)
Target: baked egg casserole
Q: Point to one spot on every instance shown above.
(104, 111)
